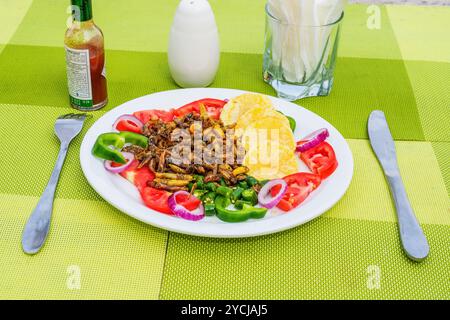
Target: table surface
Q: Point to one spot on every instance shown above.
(401, 66)
(409, 2)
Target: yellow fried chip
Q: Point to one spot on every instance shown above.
(240, 104)
(253, 115)
(270, 161)
(267, 128)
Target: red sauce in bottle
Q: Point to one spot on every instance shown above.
(85, 59)
(98, 77)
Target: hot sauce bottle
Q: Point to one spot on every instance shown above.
(85, 59)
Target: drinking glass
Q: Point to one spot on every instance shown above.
(299, 60)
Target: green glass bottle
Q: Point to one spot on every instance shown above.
(85, 59)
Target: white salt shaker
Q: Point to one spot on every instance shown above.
(194, 50)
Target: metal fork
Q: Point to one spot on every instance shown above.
(67, 127)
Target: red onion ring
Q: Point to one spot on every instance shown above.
(181, 211)
(128, 156)
(312, 140)
(130, 118)
(265, 199)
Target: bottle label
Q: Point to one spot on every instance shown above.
(79, 77)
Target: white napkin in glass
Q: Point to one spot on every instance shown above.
(298, 43)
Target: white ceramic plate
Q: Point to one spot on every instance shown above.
(124, 196)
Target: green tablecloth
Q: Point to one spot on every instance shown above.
(352, 251)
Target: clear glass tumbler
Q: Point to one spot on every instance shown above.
(299, 60)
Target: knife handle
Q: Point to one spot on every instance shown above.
(413, 240)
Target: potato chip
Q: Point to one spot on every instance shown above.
(239, 105)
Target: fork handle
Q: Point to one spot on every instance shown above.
(37, 227)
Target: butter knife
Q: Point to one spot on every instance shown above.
(413, 240)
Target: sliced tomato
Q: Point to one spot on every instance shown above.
(147, 115)
(213, 108)
(153, 198)
(320, 160)
(138, 177)
(184, 110)
(127, 125)
(300, 185)
(189, 202)
(156, 199)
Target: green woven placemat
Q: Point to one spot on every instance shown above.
(353, 251)
(327, 258)
(367, 83)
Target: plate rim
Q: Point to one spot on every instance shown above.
(226, 230)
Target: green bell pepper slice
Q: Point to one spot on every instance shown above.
(199, 180)
(255, 213)
(209, 197)
(236, 194)
(292, 122)
(210, 209)
(250, 196)
(228, 215)
(134, 138)
(243, 184)
(224, 191)
(199, 193)
(102, 147)
(208, 203)
(240, 204)
(107, 145)
(251, 181)
(211, 186)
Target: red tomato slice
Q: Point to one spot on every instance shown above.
(138, 177)
(147, 115)
(320, 160)
(300, 185)
(156, 199)
(153, 198)
(189, 202)
(127, 125)
(184, 110)
(213, 108)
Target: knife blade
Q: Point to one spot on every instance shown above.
(412, 237)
